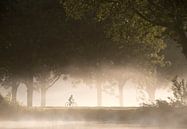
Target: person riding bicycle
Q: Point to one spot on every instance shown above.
(71, 100)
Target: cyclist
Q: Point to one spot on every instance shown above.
(71, 100)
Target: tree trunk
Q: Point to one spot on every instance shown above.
(151, 92)
(184, 47)
(120, 87)
(43, 96)
(14, 93)
(99, 94)
(29, 95)
(183, 40)
(120, 95)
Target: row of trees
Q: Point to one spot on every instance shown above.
(41, 40)
(144, 22)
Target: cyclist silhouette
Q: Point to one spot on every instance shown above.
(71, 101)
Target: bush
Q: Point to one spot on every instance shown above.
(3, 103)
(162, 104)
(179, 89)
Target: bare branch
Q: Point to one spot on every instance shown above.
(54, 81)
(155, 22)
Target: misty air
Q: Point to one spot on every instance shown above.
(93, 64)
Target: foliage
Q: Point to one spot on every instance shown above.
(122, 25)
(162, 104)
(138, 41)
(4, 102)
(1, 98)
(140, 28)
(144, 21)
(179, 89)
(170, 14)
(37, 35)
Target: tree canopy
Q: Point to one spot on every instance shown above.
(142, 21)
(43, 36)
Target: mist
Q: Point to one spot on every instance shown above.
(93, 64)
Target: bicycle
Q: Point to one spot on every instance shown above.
(70, 104)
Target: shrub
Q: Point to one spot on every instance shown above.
(179, 89)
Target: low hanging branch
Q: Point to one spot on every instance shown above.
(54, 80)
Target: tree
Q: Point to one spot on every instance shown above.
(44, 80)
(37, 34)
(120, 24)
(26, 40)
(137, 22)
(146, 20)
(170, 14)
(179, 89)
(8, 80)
(47, 38)
(89, 74)
(121, 74)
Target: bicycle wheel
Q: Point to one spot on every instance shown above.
(67, 104)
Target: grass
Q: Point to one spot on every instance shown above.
(160, 114)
